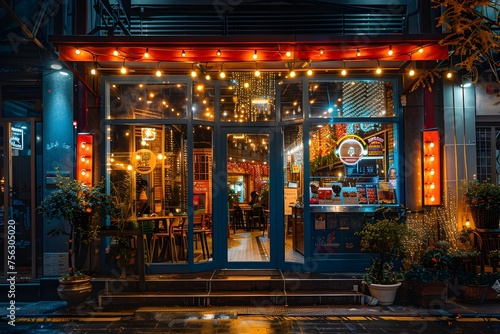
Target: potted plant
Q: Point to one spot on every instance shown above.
(483, 198)
(494, 257)
(383, 240)
(431, 276)
(473, 287)
(82, 207)
(123, 253)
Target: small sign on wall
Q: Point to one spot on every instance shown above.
(55, 264)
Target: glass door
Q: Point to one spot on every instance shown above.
(248, 189)
(18, 194)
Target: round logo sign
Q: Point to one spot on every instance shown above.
(145, 161)
(351, 149)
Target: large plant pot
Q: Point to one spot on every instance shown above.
(74, 291)
(433, 295)
(385, 293)
(473, 294)
(485, 218)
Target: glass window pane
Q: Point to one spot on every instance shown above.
(248, 98)
(203, 101)
(291, 101)
(294, 190)
(148, 101)
(351, 99)
(202, 193)
(147, 167)
(353, 164)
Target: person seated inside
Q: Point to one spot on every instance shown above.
(143, 207)
(255, 199)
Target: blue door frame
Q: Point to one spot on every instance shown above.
(220, 206)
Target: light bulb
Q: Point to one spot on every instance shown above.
(288, 53)
(146, 54)
(183, 53)
(420, 50)
(378, 70)
(390, 52)
(207, 77)
(449, 74)
(358, 53)
(193, 73)
(77, 51)
(218, 53)
(292, 74)
(115, 52)
(93, 71)
(158, 73)
(123, 70)
(222, 75)
(255, 55)
(344, 72)
(412, 72)
(321, 51)
(257, 73)
(309, 72)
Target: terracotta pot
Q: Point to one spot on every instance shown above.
(76, 291)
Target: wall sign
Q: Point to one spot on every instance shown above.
(17, 138)
(145, 161)
(351, 149)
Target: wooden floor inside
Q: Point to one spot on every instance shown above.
(254, 246)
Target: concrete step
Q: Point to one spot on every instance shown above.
(232, 288)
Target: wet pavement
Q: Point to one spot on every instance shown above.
(56, 317)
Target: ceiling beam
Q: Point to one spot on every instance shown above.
(21, 24)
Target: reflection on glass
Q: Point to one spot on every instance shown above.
(291, 101)
(248, 197)
(248, 98)
(147, 101)
(294, 193)
(351, 99)
(203, 101)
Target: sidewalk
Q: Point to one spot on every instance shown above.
(52, 309)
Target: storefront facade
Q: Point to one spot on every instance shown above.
(294, 141)
(323, 150)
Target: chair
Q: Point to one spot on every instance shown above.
(163, 242)
(237, 218)
(258, 217)
(180, 233)
(147, 234)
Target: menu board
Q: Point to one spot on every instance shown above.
(361, 190)
(386, 194)
(290, 199)
(371, 193)
(349, 195)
